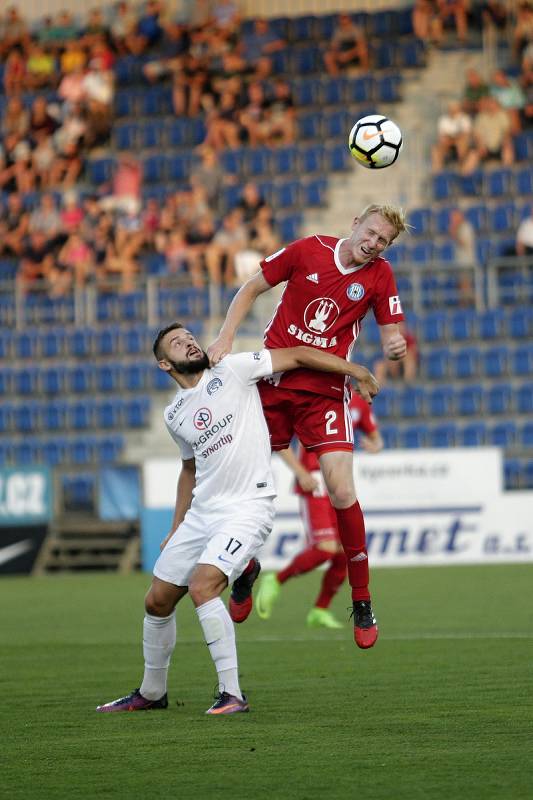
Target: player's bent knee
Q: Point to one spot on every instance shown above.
(206, 583)
(161, 598)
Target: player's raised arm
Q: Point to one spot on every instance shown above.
(239, 308)
(392, 341)
(293, 357)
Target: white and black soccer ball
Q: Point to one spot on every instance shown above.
(375, 141)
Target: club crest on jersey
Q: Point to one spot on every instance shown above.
(321, 314)
(202, 419)
(355, 291)
(214, 385)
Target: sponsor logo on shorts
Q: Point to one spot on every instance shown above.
(355, 291)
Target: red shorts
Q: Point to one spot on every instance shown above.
(319, 519)
(322, 424)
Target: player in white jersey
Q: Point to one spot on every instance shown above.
(224, 504)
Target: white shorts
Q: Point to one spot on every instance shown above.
(226, 539)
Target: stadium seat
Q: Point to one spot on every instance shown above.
(491, 324)
(434, 327)
(496, 361)
(309, 125)
(54, 451)
(474, 434)
(287, 194)
(471, 185)
(332, 91)
(107, 377)
(421, 252)
(444, 435)
(285, 160)
(314, 192)
(6, 381)
(412, 401)
(257, 161)
(80, 415)
(126, 136)
(523, 146)
(503, 434)
(312, 159)
(520, 323)
(462, 324)
(444, 188)
(523, 181)
(526, 435)
(27, 416)
(80, 378)
(301, 28)
(289, 226)
(470, 400)
(385, 403)
(52, 380)
(136, 412)
(477, 217)
(420, 219)
(25, 454)
(499, 399)
(109, 448)
(465, 363)
(388, 88)
(414, 436)
(513, 473)
(501, 219)
(54, 415)
(522, 360)
(151, 134)
(307, 91)
(498, 183)
(524, 398)
(360, 90)
(390, 436)
(436, 363)
(78, 492)
(6, 417)
(100, 170)
(305, 59)
(335, 157)
(384, 54)
(441, 401)
(26, 380)
(412, 53)
(81, 451)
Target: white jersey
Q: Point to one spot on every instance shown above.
(220, 423)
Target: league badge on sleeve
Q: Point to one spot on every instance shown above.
(395, 306)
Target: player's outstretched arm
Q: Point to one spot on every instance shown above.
(237, 311)
(392, 341)
(186, 484)
(288, 358)
(305, 478)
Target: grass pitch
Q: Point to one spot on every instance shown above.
(441, 708)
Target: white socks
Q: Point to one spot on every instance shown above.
(220, 638)
(159, 640)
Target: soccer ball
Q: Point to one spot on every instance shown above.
(375, 141)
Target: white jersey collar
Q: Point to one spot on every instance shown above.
(346, 270)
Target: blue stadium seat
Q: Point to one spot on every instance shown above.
(381, 24)
(466, 363)
(78, 492)
(441, 220)
(54, 451)
(100, 170)
(520, 323)
(462, 324)
(134, 377)
(325, 26)
(522, 360)
(441, 401)
(471, 185)
(445, 252)
(491, 324)
(108, 449)
(52, 380)
(80, 378)
(80, 342)
(523, 181)
(257, 161)
(301, 28)
(360, 90)
(414, 436)
(388, 88)
(412, 53)
(437, 363)
(81, 451)
(6, 381)
(305, 59)
(314, 192)
(526, 435)
(444, 188)
(26, 345)
(80, 415)
(390, 436)
(155, 168)
(444, 435)
(307, 91)
(523, 146)
(289, 226)
(54, 415)
(25, 454)
(137, 412)
(470, 400)
(333, 91)
(109, 413)
(6, 417)
(496, 361)
(513, 473)
(501, 219)
(504, 434)
(336, 124)
(412, 401)
(107, 377)
(27, 416)
(524, 398)
(385, 403)
(26, 380)
(499, 399)
(498, 183)
(285, 160)
(384, 54)
(474, 434)
(434, 327)
(336, 157)
(309, 125)
(287, 194)
(421, 252)
(126, 102)
(126, 136)
(420, 219)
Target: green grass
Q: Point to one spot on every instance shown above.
(440, 708)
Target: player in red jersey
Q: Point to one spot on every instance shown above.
(320, 524)
(331, 284)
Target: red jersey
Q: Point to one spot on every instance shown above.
(324, 303)
(362, 419)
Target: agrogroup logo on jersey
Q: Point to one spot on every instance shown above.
(355, 291)
(202, 419)
(321, 314)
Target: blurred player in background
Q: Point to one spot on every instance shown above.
(320, 524)
(224, 502)
(331, 284)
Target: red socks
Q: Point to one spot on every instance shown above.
(351, 527)
(304, 562)
(332, 580)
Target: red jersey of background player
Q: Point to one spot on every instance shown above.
(362, 419)
(324, 303)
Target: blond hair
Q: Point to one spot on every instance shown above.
(393, 214)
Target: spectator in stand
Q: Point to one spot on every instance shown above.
(229, 76)
(179, 259)
(72, 213)
(523, 30)
(15, 120)
(210, 175)
(223, 124)
(13, 32)
(427, 23)
(73, 58)
(14, 223)
(250, 202)
(73, 266)
(191, 81)
(149, 27)
(71, 89)
(199, 236)
(40, 68)
(231, 239)
(348, 47)
(494, 14)
(258, 45)
(96, 29)
(454, 134)
(455, 10)
(126, 186)
(22, 169)
(14, 72)
(124, 247)
(510, 96)
(405, 369)
(263, 236)
(226, 17)
(475, 90)
(59, 32)
(36, 261)
(46, 218)
(150, 221)
(123, 30)
(43, 157)
(41, 120)
(254, 116)
(170, 55)
(463, 235)
(281, 122)
(526, 81)
(492, 136)
(67, 166)
(524, 236)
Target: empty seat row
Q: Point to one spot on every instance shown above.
(468, 324)
(457, 434)
(441, 363)
(518, 473)
(503, 217)
(449, 400)
(87, 414)
(449, 185)
(62, 450)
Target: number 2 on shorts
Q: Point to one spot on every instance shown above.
(330, 417)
